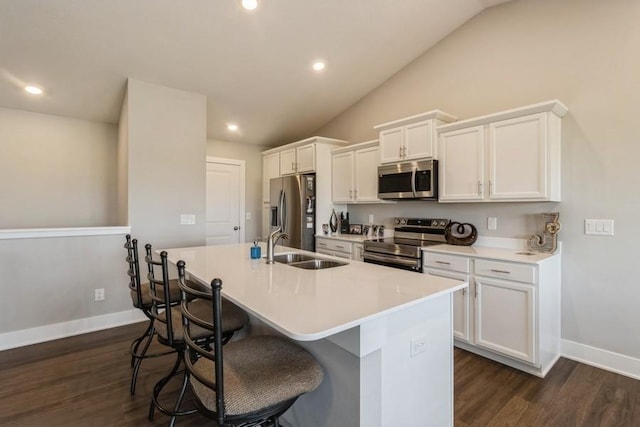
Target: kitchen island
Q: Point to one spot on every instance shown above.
(382, 335)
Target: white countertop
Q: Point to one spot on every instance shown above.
(307, 305)
(504, 254)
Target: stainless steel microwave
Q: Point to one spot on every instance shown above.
(408, 180)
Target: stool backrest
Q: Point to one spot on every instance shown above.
(160, 292)
(193, 349)
(131, 245)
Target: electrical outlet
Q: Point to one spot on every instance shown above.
(492, 223)
(187, 219)
(370, 218)
(418, 345)
(99, 294)
(248, 216)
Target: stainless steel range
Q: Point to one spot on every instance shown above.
(403, 250)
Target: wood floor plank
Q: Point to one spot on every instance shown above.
(84, 381)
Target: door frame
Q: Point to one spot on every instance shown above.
(242, 165)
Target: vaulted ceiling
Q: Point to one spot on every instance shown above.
(253, 66)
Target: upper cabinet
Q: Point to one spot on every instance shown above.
(411, 138)
(298, 160)
(513, 155)
(354, 173)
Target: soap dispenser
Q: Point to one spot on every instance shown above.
(255, 250)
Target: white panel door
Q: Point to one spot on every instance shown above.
(342, 177)
(418, 140)
(462, 164)
(366, 175)
(505, 318)
(225, 203)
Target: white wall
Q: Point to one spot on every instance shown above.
(585, 53)
(56, 171)
(166, 164)
(252, 155)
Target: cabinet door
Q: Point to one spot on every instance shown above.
(462, 164)
(366, 175)
(518, 158)
(342, 177)
(461, 306)
(418, 140)
(358, 250)
(505, 318)
(288, 162)
(391, 145)
(305, 158)
(270, 169)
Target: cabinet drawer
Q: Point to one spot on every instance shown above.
(505, 270)
(446, 262)
(334, 254)
(333, 245)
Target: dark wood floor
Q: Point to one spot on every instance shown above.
(84, 381)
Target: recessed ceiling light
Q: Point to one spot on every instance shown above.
(232, 127)
(318, 65)
(250, 4)
(34, 90)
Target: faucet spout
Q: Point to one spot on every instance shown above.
(272, 241)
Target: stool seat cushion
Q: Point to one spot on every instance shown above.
(145, 289)
(259, 372)
(233, 318)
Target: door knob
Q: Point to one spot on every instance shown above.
(236, 228)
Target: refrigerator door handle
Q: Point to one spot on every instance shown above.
(283, 207)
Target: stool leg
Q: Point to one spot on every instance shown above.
(160, 385)
(139, 356)
(183, 389)
(136, 343)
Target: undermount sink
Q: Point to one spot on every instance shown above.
(306, 261)
(291, 258)
(318, 264)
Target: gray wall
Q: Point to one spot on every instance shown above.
(252, 155)
(585, 53)
(166, 138)
(56, 171)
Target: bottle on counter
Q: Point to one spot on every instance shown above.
(255, 250)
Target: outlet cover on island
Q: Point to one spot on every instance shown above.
(187, 219)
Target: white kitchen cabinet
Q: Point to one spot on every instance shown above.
(411, 138)
(298, 160)
(288, 162)
(354, 173)
(334, 246)
(308, 155)
(358, 252)
(509, 156)
(505, 318)
(270, 169)
(511, 312)
(461, 308)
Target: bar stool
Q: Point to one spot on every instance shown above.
(250, 381)
(171, 332)
(141, 299)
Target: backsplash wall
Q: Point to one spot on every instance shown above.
(519, 220)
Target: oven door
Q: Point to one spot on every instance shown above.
(404, 263)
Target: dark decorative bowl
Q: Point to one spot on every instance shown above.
(460, 234)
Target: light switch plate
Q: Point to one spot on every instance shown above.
(598, 227)
(187, 219)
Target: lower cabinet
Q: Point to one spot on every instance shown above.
(510, 312)
(339, 248)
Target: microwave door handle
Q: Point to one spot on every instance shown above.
(413, 181)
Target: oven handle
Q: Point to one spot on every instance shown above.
(395, 260)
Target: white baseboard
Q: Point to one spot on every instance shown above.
(56, 331)
(603, 359)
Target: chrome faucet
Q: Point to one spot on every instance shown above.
(272, 241)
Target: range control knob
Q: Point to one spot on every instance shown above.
(434, 223)
(396, 221)
(403, 221)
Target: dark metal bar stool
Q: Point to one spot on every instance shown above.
(170, 330)
(249, 382)
(141, 298)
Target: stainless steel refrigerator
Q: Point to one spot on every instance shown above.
(293, 199)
